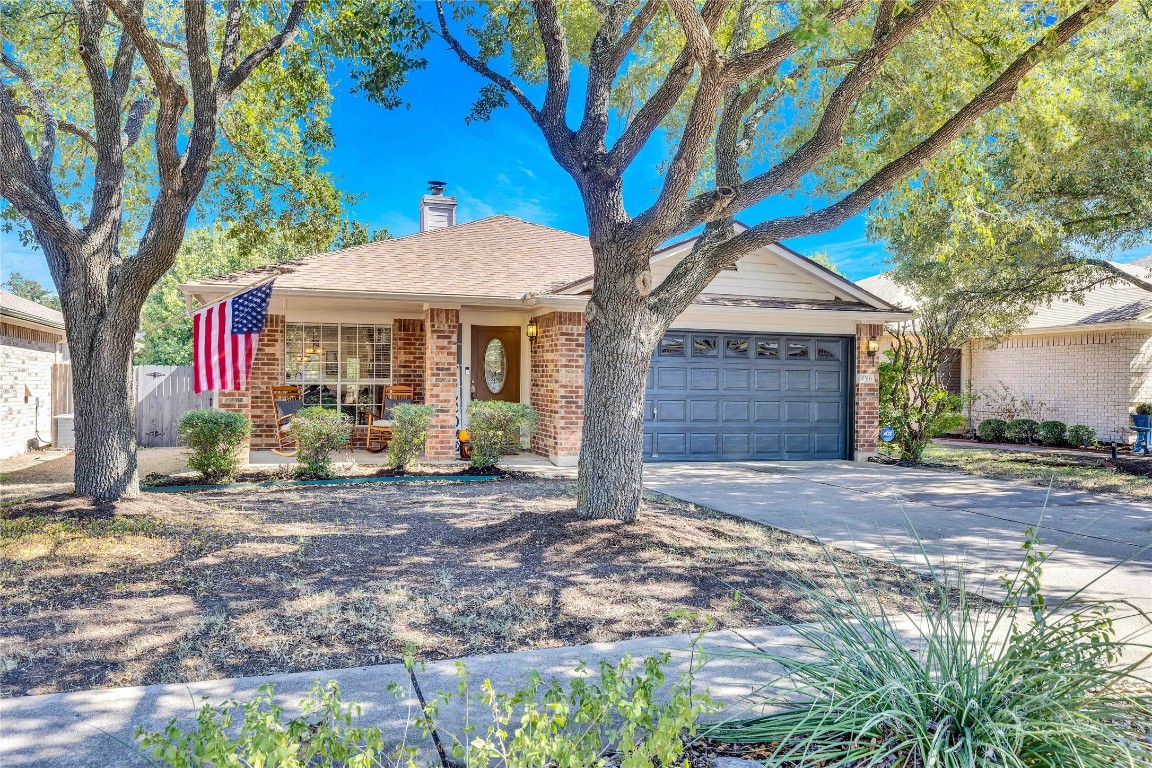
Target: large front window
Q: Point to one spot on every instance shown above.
(339, 365)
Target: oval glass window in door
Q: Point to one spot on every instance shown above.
(495, 366)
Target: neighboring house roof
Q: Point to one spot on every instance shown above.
(498, 257)
(502, 258)
(1128, 298)
(18, 308)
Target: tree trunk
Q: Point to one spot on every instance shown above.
(101, 333)
(622, 335)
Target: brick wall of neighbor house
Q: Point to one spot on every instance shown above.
(557, 391)
(408, 355)
(1088, 377)
(26, 358)
(867, 395)
(441, 347)
(267, 371)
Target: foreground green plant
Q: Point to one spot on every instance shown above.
(319, 431)
(213, 439)
(496, 427)
(613, 719)
(409, 432)
(1019, 684)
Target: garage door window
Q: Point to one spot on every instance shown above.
(828, 350)
(768, 348)
(797, 350)
(672, 346)
(736, 348)
(703, 346)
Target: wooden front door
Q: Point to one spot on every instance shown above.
(496, 363)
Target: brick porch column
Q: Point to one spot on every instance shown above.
(441, 345)
(408, 355)
(267, 371)
(557, 386)
(867, 394)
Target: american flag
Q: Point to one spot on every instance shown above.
(224, 339)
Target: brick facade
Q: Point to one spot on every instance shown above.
(1087, 377)
(408, 355)
(267, 371)
(441, 379)
(557, 386)
(867, 405)
(26, 359)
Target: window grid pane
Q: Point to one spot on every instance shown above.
(341, 366)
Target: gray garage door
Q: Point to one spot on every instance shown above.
(730, 396)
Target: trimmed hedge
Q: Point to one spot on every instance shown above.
(992, 430)
(214, 438)
(1052, 432)
(1081, 435)
(1022, 430)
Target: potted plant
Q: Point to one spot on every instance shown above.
(1142, 416)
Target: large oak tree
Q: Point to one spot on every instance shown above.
(842, 99)
(233, 99)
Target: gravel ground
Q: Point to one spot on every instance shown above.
(185, 587)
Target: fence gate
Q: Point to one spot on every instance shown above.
(164, 394)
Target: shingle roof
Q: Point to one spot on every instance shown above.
(1116, 301)
(12, 305)
(500, 256)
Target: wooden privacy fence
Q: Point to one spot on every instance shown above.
(163, 394)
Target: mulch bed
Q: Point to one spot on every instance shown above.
(1138, 466)
(271, 474)
(170, 588)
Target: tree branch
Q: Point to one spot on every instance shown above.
(63, 126)
(555, 43)
(231, 45)
(229, 82)
(47, 119)
(482, 68)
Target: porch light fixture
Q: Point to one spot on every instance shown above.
(873, 346)
(532, 330)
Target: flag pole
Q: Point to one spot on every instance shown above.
(186, 313)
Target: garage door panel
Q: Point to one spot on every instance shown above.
(704, 410)
(738, 396)
(828, 381)
(736, 378)
(735, 410)
(767, 411)
(704, 378)
(668, 377)
(797, 380)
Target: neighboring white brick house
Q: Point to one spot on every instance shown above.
(31, 341)
(1088, 363)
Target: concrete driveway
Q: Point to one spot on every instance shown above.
(959, 520)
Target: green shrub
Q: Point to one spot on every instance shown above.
(1052, 432)
(1022, 430)
(496, 427)
(1081, 435)
(993, 430)
(409, 431)
(322, 736)
(626, 716)
(1018, 684)
(213, 439)
(318, 432)
(1144, 409)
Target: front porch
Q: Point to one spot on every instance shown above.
(446, 354)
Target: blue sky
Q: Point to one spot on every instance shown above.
(501, 166)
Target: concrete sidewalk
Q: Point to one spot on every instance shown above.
(94, 729)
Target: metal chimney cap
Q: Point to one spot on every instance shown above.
(437, 187)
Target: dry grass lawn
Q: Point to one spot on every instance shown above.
(188, 587)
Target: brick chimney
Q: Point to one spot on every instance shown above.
(437, 210)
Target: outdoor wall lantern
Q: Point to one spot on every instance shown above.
(873, 346)
(532, 329)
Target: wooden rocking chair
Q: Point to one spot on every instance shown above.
(288, 399)
(380, 424)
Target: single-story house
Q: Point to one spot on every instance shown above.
(31, 342)
(1084, 362)
(771, 362)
